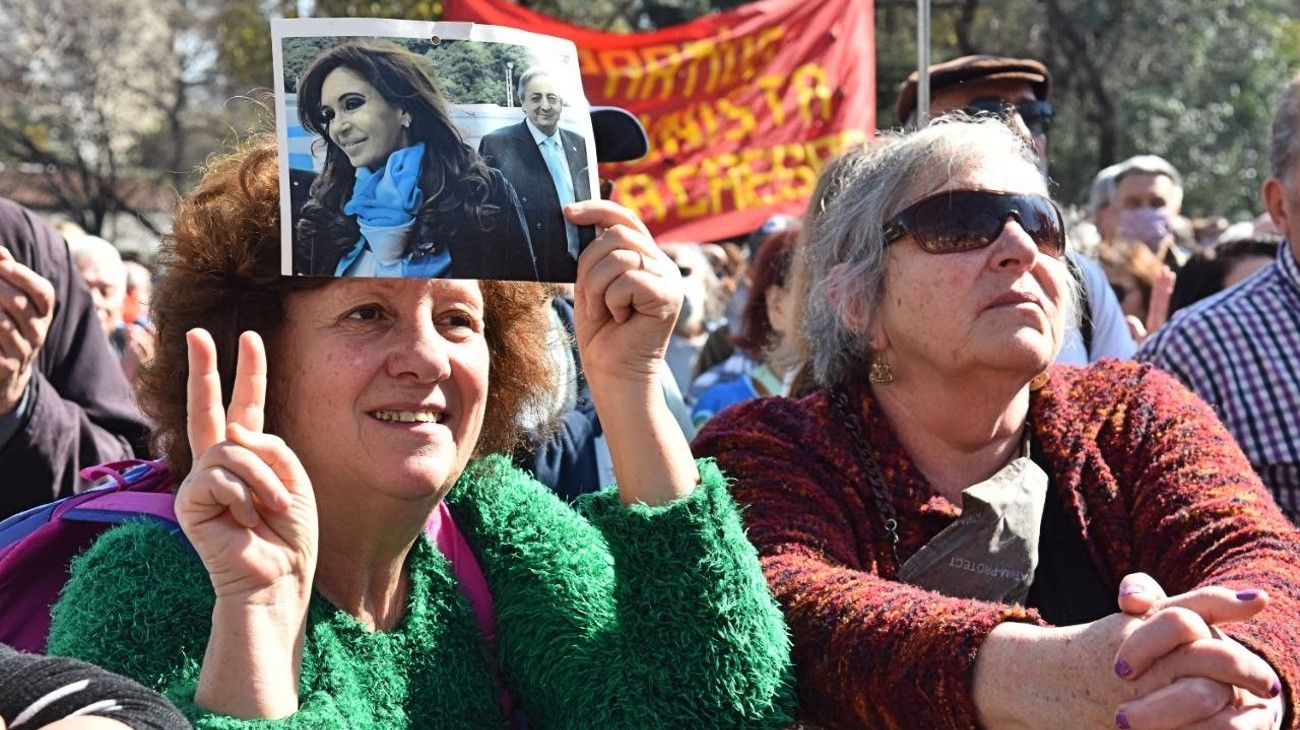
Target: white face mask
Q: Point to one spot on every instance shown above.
(991, 552)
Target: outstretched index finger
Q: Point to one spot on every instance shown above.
(205, 419)
(248, 397)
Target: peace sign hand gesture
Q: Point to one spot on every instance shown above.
(247, 505)
(248, 509)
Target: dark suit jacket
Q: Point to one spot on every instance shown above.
(513, 151)
(80, 411)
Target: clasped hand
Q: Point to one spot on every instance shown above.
(1186, 672)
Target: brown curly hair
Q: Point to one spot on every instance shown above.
(222, 273)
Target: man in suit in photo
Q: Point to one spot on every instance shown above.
(547, 166)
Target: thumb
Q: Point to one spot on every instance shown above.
(1139, 594)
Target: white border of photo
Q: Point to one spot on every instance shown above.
(556, 54)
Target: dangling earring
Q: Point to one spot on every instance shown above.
(881, 373)
(1039, 381)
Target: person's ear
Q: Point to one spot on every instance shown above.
(846, 297)
(774, 298)
(879, 337)
(1274, 194)
(1106, 222)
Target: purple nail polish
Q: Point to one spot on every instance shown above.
(1121, 721)
(1275, 689)
(1133, 589)
(1122, 670)
(1249, 595)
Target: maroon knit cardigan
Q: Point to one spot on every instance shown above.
(1154, 483)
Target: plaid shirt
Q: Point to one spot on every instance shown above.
(1240, 351)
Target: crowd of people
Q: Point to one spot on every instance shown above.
(933, 454)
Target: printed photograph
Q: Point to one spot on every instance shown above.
(430, 150)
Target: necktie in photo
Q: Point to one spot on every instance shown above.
(559, 168)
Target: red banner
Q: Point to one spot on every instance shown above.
(742, 107)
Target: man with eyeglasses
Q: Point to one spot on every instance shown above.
(1017, 88)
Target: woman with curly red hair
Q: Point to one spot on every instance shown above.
(357, 554)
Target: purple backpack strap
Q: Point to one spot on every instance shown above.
(37, 546)
(448, 539)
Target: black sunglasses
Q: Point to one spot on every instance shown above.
(1036, 114)
(964, 220)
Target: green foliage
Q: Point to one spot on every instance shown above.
(298, 53)
(469, 72)
(475, 73)
(403, 9)
(244, 43)
(1191, 80)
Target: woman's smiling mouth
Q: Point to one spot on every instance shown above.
(390, 416)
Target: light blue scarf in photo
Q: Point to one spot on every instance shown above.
(385, 202)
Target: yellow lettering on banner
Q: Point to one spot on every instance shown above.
(695, 53)
(653, 71)
(718, 183)
(698, 124)
(743, 117)
(661, 64)
(803, 177)
(769, 85)
(755, 178)
(765, 48)
(621, 64)
(640, 192)
(709, 121)
(682, 203)
(589, 61)
(813, 86)
(677, 130)
(722, 58)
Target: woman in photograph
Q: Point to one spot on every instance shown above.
(400, 194)
(962, 534)
(358, 552)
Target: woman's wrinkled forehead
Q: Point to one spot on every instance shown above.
(400, 291)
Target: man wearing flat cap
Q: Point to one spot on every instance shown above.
(987, 84)
(1017, 89)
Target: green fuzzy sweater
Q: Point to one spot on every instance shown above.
(618, 617)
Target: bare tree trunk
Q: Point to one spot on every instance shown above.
(964, 25)
(1081, 54)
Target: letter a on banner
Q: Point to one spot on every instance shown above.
(742, 107)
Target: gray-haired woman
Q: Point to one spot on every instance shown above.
(948, 520)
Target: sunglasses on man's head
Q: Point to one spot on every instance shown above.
(964, 220)
(1036, 114)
